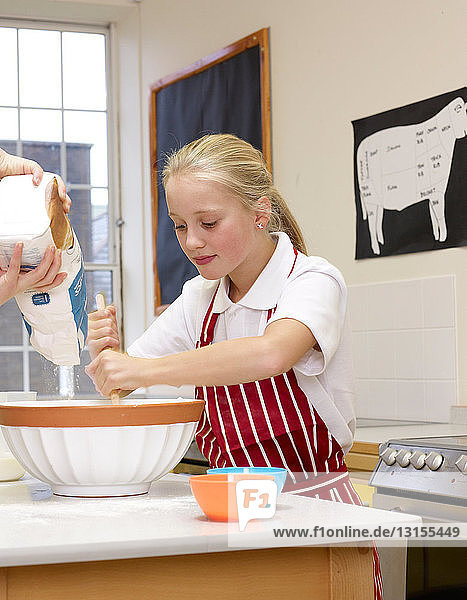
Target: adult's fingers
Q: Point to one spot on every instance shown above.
(15, 260)
(36, 275)
(53, 270)
(58, 280)
(37, 172)
(25, 166)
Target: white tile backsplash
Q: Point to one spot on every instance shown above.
(404, 339)
(410, 400)
(440, 396)
(407, 305)
(360, 355)
(380, 307)
(381, 352)
(439, 301)
(383, 397)
(358, 307)
(409, 348)
(363, 404)
(439, 353)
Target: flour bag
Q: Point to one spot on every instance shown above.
(55, 320)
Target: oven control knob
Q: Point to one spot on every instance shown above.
(461, 463)
(388, 456)
(403, 457)
(418, 459)
(434, 460)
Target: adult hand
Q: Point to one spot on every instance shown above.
(102, 331)
(15, 165)
(112, 370)
(44, 277)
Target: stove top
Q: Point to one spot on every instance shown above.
(432, 467)
(454, 442)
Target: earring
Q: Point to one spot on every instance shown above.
(259, 225)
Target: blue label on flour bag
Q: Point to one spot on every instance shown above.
(77, 293)
(42, 298)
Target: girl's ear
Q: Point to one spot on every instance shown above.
(263, 210)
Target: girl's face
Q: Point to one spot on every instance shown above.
(215, 230)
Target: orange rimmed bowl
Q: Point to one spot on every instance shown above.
(92, 448)
(216, 495)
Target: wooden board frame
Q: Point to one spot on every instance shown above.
(259, 38)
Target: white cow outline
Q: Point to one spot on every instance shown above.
(400, 166)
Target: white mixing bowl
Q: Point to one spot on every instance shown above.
(92, 448)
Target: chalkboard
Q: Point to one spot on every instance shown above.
(226, 92)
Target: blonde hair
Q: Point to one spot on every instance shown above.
(233, 162)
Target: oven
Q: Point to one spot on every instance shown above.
(425, 477)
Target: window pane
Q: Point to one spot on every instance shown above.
(9, 86)
(47, 155)
(43, 375)
(83, 383)
(100, 225)
(41, 125)
(39, 68)
(78, 163)
(11, 371)
(9, 123)
(98, 281)
(10, 325)
(81, 220)
(8, 146)
(84, 71)
(91, 223)
(90, 128)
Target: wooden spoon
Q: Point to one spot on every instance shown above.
(100, 302)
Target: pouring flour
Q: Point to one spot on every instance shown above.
(55, 320)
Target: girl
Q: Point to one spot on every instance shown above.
(261, 333)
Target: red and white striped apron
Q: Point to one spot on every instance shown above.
(271, 423)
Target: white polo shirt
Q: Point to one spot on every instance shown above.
(314, 294)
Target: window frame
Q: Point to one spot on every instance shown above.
(113, 160)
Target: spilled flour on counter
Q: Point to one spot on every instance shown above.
(105, 519)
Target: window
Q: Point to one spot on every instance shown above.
(54, 108)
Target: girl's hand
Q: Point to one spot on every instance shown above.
(44, 277)
(15, 165)
(112, 370)
(102, 331)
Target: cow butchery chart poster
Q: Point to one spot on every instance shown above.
(410, 170)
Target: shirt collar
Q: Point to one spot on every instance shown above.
(267, 288)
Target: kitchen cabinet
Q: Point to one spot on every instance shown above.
(161, 545)
(363, 456)
(338, 573)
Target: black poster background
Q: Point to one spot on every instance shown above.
(410, 230)
(225, 98)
